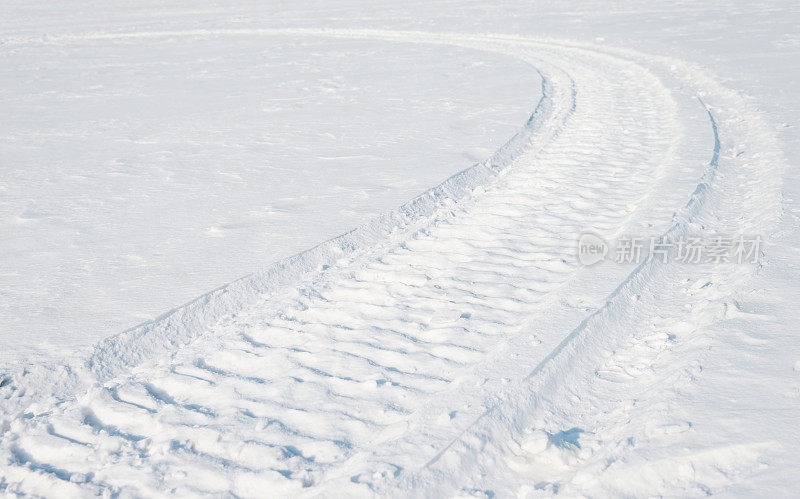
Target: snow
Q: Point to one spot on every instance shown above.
(133, 182)
(447, 345)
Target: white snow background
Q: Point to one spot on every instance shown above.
(211, 140)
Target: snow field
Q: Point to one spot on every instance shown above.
(398, 356)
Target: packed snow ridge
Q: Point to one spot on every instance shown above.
(454, 345)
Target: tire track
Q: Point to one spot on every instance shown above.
(534, 428)
(353, 364)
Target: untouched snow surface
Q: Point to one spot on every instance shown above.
(452, 345)
(131, 181)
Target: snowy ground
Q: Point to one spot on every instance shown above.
(131, 182)
(452, 346)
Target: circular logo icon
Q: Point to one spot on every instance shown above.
(591, 248)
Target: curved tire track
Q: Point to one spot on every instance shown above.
(435, 302)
